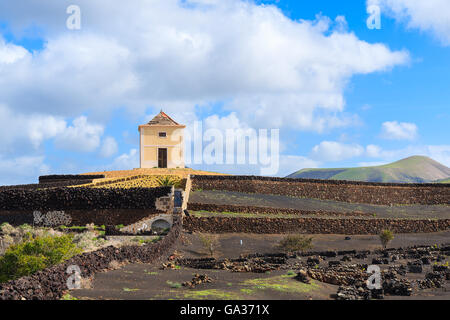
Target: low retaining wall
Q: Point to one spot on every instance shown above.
(77, 217)
(311, 225)
(65, 177)
(81, 198)
(36, 186)
(267, 210)
(50, 284)
(345, 191)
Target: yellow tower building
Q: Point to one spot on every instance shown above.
(162, 143)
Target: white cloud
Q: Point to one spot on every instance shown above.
(336, 151)
(440, 153)
(291, 164)
(427, 15)
(109, 147)
(126, 161)
(72, 74)
(18, 130)
(81, 136)
(373, 151)
(156, 53)
(268, 71)
(371, 164)
(26, 132)
(288, 165)
(10, 53)
(22, 170)
(328, 151)
(227, 139)
(394, 130)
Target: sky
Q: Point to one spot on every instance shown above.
(341, 92)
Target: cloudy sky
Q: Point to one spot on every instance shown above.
(340, 93)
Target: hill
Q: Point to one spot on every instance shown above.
(416, 169)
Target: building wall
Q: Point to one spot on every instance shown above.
(173, 142)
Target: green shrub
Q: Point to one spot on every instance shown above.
(175, 285)
(33, 255)
(209, 242)
(165, 181)
(67, 296)
(293, 243)
(385, 237)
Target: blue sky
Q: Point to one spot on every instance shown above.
(340, 93)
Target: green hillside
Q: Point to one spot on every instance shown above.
(416, 169)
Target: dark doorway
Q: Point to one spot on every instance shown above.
(178, 199)
(162, 158)
(160, 226)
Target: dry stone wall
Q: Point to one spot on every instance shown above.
(56, 184)
(65, 177)
(266, 210)
(312, 225)
(55, 218)
(81, 206)
(81, 198)
(344, 191)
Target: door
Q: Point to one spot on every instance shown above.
(178, 199)
(162, 158)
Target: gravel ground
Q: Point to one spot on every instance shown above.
(144, 281)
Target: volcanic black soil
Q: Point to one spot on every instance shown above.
(143, 281)
(278, 201)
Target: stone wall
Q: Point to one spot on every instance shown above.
(81, 198)
(266, 210)
(165, 204)
(81, 206)
(53, 184)
(76, 217)
(65, 177)
(311, 225)
(344, 191)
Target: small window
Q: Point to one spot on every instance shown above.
(162, 134)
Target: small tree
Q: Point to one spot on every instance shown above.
(293, 243)
(209, 242)
(385, 237)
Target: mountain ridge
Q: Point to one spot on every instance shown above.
(415, 169)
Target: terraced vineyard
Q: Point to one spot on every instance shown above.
(145, 178)
(141, 181)
(182, 172)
